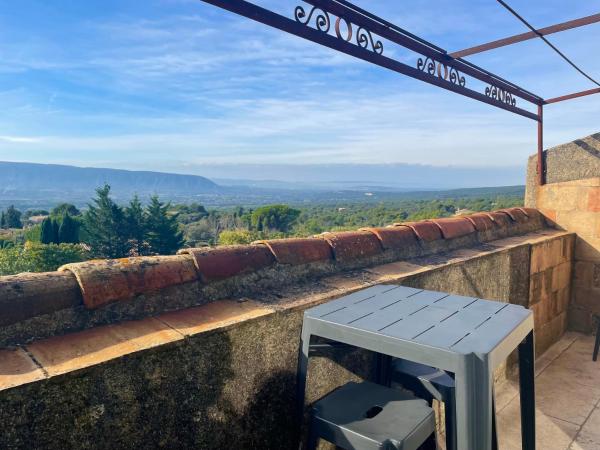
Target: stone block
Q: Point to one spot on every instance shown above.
(535, 287)
(593, 200)
(562, 300)
(546, 254)
(579, 319)
(583, 273)
(560, 198)
(561, 276)
(581, 222)
(587, 249)
(588, 298)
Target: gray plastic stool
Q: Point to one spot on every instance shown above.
(368, 416)
(430, 383)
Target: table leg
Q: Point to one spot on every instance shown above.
(474, 405)
(527, 391)
(301, 378)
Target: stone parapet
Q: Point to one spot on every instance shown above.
(84, 295)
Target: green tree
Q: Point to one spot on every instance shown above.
(136, 227)
(274, 217)
(162, 231)
(65, 208)
(3, 220)
(47, 231)
(12, 218)
(105, 226)
(68, 231)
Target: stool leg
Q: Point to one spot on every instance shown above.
(301, 379)
(597, 344)
(494, 424)
(313, 437)
(450, 422)
(383, 369)
(527, 391)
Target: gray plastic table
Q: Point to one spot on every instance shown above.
(467, 336)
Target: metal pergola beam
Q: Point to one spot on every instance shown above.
(436, 68)
(357, 33)
(527, 36)
(572, 96)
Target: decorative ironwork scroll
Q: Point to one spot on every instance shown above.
(500, 95)
(448, 73)
(322, 22)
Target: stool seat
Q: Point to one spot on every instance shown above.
(369, 416)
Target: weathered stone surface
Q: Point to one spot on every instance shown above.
(18, 368)
(35, 294)
(575, 160)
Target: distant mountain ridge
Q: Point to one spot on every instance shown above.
(18, 177)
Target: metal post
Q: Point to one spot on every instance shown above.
(540, 150)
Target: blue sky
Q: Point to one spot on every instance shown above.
(179, 85)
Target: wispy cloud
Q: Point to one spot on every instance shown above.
(20, 139)
(181, 82)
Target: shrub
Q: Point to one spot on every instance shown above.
(38, 257)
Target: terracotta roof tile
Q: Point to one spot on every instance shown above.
(34, 294)
(500, 218)
(425, 231)
(453, 227)
(395, 237)
(481, 221)
(516, 214)
(223, 262)
(297, 251)
(105, 281)
(352, 245)
(532, 213)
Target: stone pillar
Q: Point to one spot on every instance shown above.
(571, 201)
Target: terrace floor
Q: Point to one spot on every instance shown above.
(567, 399)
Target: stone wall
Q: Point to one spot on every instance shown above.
(575, 206)
(222, 374)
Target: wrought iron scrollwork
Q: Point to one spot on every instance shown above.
(443, 71)
(322, 21)
(363, 37)
(500, 95)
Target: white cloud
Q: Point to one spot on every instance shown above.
(20, 139)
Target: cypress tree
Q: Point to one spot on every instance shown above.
(55, 229)
(136, 227)
(162, 232)
(105, 226)
(47, 231)
(68, 231)
(2, 220)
